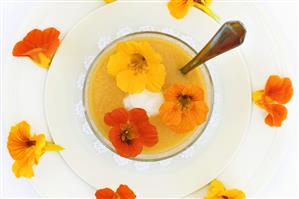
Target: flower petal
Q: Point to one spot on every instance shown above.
(117, 117)
(19, 135)
(170, 113)
(23, 167)
(138, 115)
(117, 63)
(124, 149)
(105, 193)
(277, 114)
(148, 135)
(124, 192)
(130, 81)
(279, 89)
(234, 194)
(179, 8)
(216, 188)
(155, 77)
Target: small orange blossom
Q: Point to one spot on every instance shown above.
(26, 150)
(131, 130)
(39, 45)
(122, 192)
(184, 107)
(278, 91)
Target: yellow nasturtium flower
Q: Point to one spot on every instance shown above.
(26, 149)
(136, 66)
(180, 8)
(218, 191)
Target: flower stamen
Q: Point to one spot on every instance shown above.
(31, 143)
(184, 100)
(138, 62)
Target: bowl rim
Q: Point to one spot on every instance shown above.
(150, 157)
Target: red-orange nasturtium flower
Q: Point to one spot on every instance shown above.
(122, 192)
(39, 45)
(278, 91)
(184, 107)
(131, 130)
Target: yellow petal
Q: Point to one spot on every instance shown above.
(233, 194)
(215, 188)
(41, 60)
(109, 1)
(155, 77)
(207, 10)
(131, 81)
(257, 98)
(117, 63)
(23, 167)
(53, 147)
(179, 8)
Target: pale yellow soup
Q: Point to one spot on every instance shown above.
(103, 95)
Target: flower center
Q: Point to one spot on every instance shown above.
(202, 2)
(30, 143)
(137, 62)
(184, 100)
(126, 136)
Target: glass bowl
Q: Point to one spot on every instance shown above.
(209, 96)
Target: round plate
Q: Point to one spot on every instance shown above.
(192, 169)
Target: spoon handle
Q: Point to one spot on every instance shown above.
(230, 35)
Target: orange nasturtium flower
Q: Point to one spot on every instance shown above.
(218, 191)
(122, 192)
(131, 130)
(39, 45)
(27, 149)
(180, 8)
(184, 107)
(136, 66)
(278, 91)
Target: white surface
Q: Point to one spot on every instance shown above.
(284, 184)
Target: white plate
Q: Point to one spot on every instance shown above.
(186, 172)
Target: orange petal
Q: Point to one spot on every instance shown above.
(105, 193)
(39, 45)
(124, 192)
(172, 93)
(194, 91)
(138, 115)
(179, 8)
(124, 149)
(170, 113)
(117, 117)
(148, 135)
(18, 137)
(277, 114)
(279, 89)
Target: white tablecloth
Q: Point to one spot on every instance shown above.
(283, 19)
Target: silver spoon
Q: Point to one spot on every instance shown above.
(230, 35)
